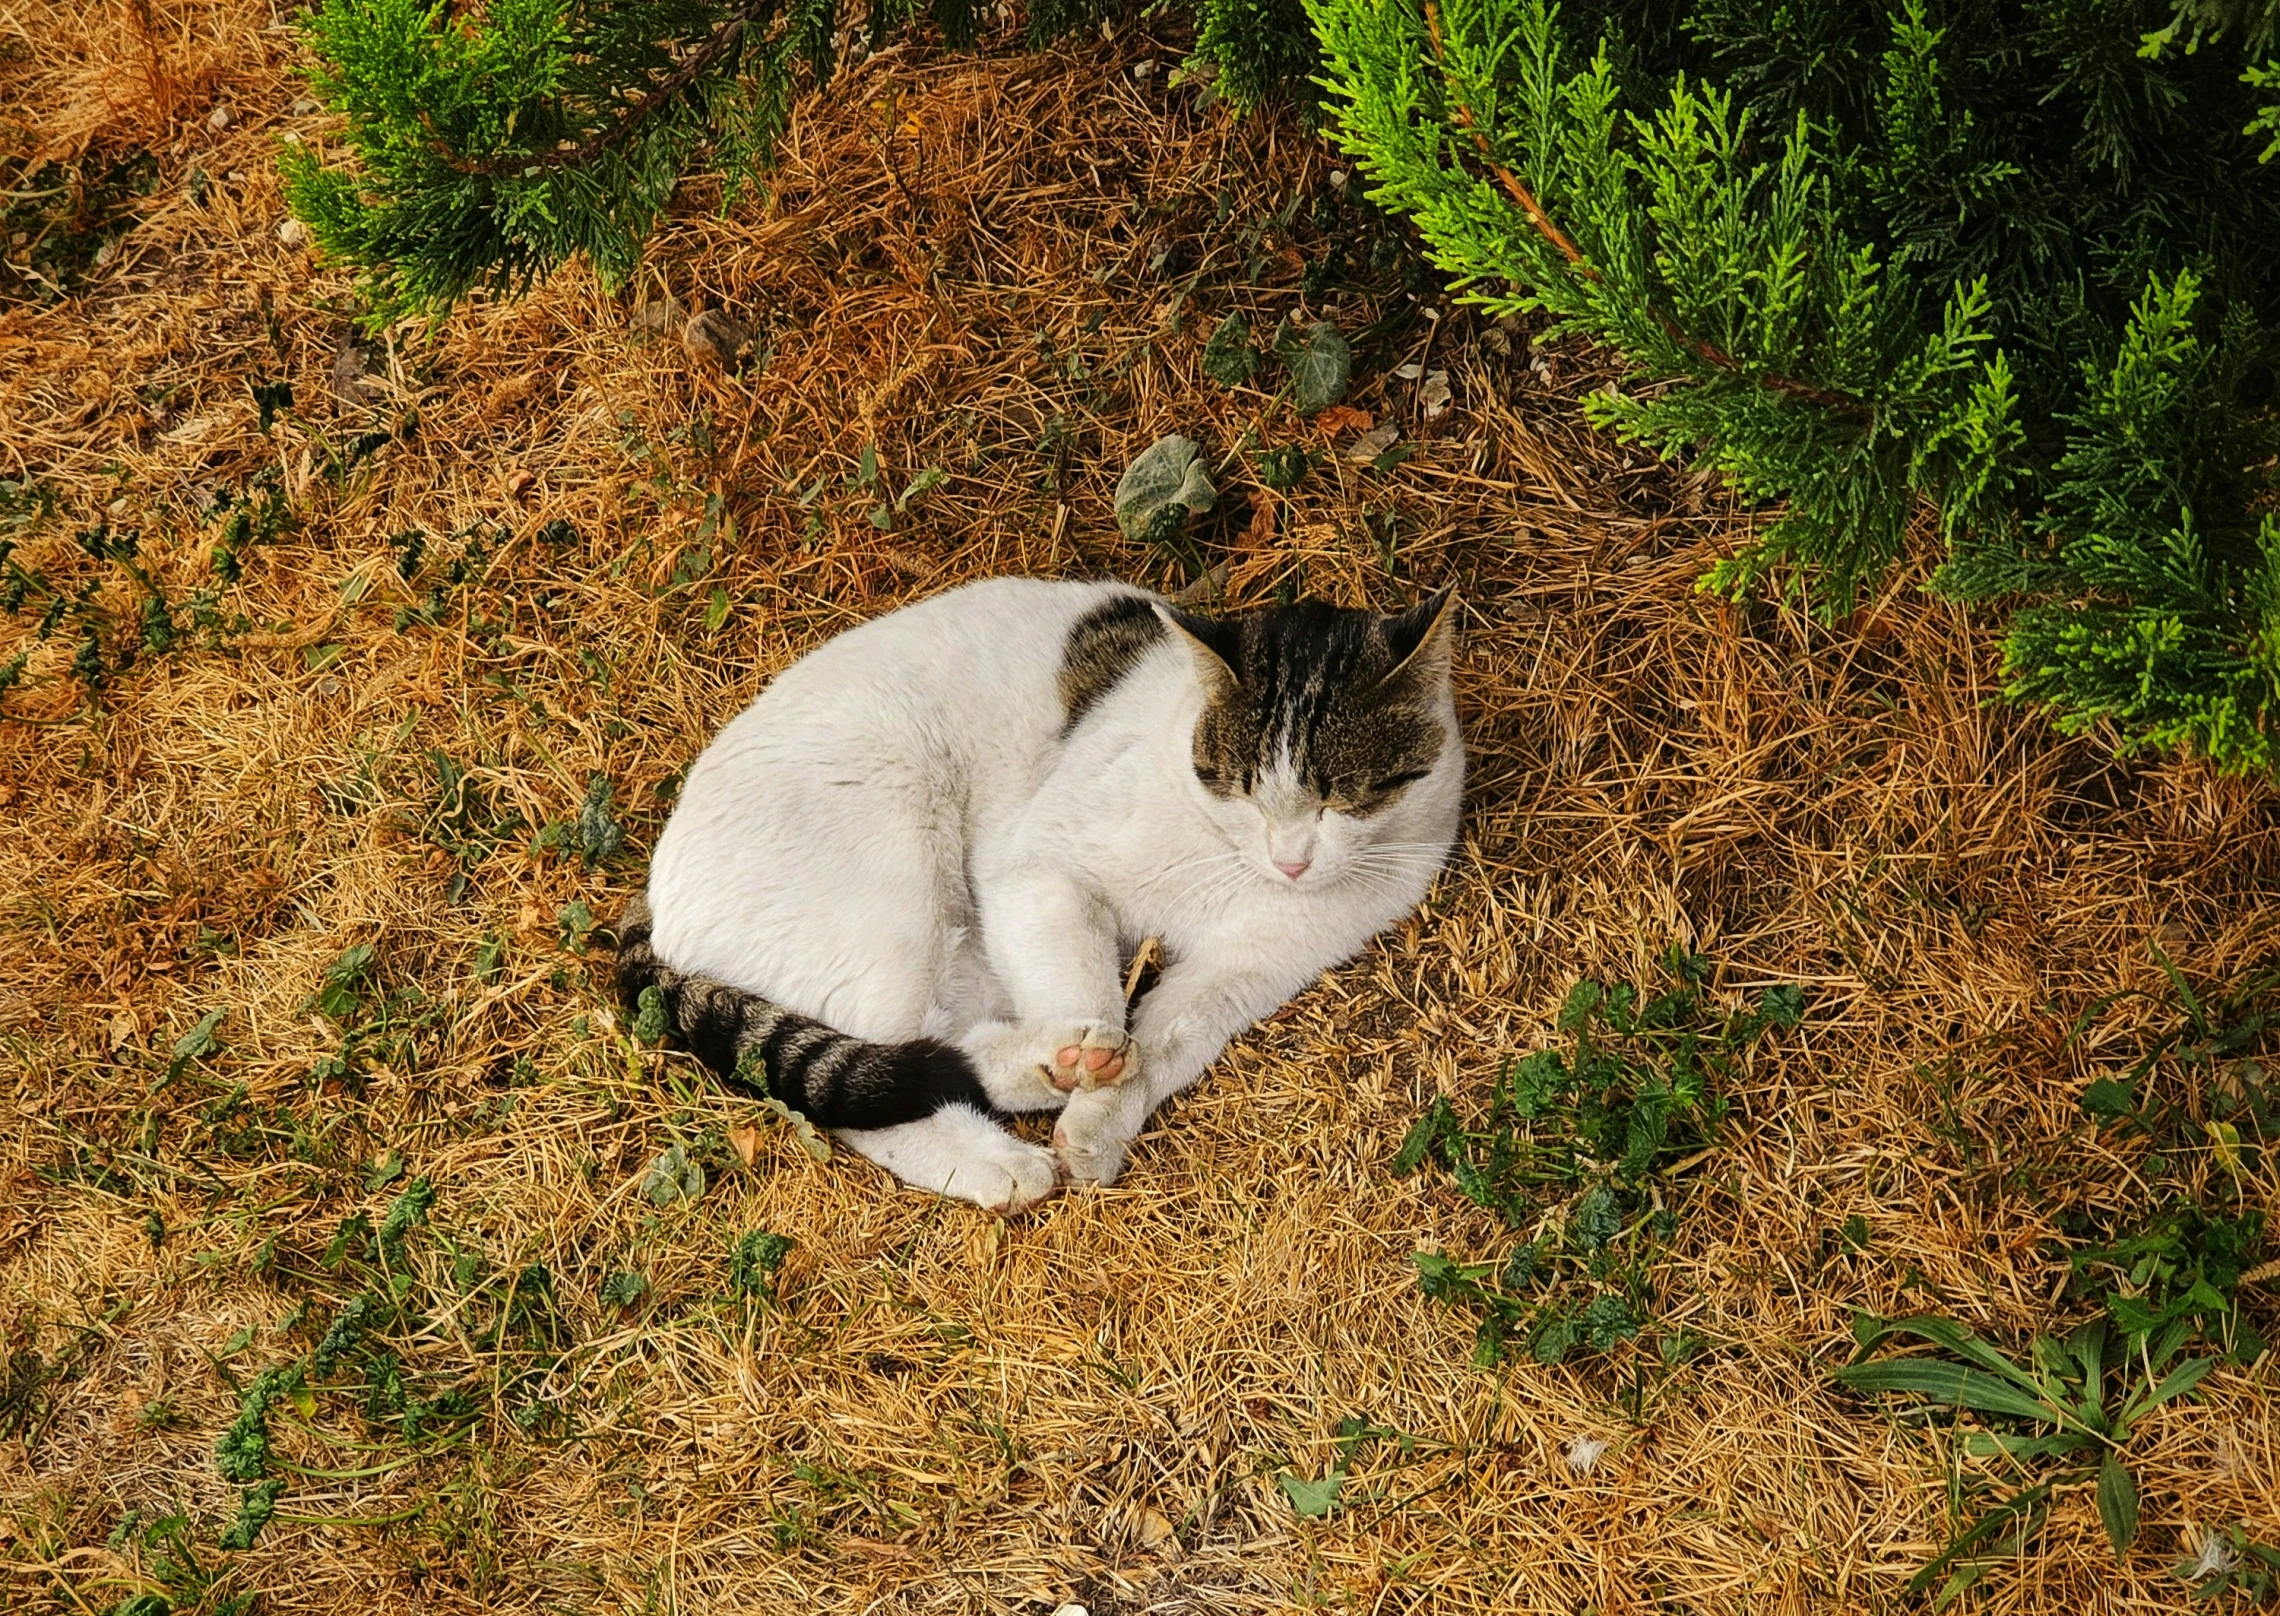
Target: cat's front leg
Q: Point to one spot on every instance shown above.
(1182, 1025)
(1052, 945)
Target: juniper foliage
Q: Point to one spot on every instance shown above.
(487, 145)
(1260, 49)
(2011, 257)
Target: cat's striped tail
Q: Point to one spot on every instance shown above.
(831, 1078)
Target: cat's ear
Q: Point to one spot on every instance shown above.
(1216, 643)
(1423, 638)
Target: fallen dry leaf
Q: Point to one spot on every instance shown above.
(1344, 418)
(1435, 394)
(1261, 531)
(1153, 1530)
(1370, 445)
(746, 1143)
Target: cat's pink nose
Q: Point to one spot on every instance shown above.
(1294, 871)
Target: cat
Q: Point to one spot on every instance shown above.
(907, 880)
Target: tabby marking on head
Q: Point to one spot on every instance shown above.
(1340, 703)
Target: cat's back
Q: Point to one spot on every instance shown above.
(987, 648)
(970, 677)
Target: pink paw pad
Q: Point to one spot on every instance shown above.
(1074, 1064)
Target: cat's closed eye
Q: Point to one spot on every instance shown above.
(1373, 796)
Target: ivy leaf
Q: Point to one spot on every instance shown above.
(1284, 469)
(1228, 358)
(1321, 367)
(1312, 1499)
(1162, 490)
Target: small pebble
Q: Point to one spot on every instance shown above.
(715, 337)
(219, 118)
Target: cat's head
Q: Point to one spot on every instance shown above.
(1328, 737)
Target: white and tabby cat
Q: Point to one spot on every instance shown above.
(910, 874)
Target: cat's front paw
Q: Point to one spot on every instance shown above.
(1094, 1134)
(1090, 1055)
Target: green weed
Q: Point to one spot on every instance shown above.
(1578, 1149)
(2066, 1413)
(2196, 1098)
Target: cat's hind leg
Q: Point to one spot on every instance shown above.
(960, 1153)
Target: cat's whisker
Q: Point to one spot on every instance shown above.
(1214, 879)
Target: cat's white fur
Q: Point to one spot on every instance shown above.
(897, 839)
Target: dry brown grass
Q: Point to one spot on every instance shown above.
(947, 1412)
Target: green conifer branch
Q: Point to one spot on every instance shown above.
(724, 39)
(2006, 265)
(485, 147)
